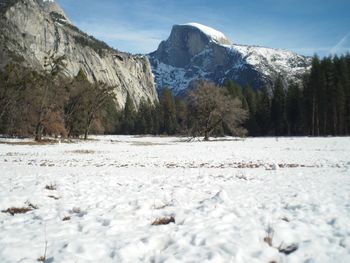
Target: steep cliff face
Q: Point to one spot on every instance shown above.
(194, 51)
(30, 29)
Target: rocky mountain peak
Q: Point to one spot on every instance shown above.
(194, 51)
(187, 41)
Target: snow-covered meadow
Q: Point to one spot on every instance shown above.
(252, 200)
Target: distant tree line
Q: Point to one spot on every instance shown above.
(37, 104)
(318, 106)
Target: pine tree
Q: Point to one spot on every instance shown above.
(278, 117)
(311, 84)
(347, 92)
(342, 81)
(294, 110)
(169, 125)
(157, 118)
(128, 117)
(331, 87)
(251, 102)
(263, 112)
(144, 123)
(74, 109)
(234, 90)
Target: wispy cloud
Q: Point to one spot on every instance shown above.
(340, 46)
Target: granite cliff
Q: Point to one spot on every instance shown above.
(30, 29)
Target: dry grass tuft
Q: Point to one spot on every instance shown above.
(82, 151)
(41, 259)
(66, 218)
(51, 187)
(282, 249)
(42, 142)
(20, 210)
(286, 219)
(162, 206)
(30, 205)
(269, 236)
(163, 221)
(17, 210)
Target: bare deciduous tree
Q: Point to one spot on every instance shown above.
(210, 106)
(98, 95)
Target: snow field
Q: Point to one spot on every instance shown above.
(225, 196)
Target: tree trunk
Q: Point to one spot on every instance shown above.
(335, 121)
(38, 132)
(313, 117)
(86, 134)
(39, 128)
(317, 123)
(289, 128)
(325, 123)
(88, 125)
(206, 136)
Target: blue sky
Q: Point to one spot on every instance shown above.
(138, 26)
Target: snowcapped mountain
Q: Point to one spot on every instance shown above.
(194, 51)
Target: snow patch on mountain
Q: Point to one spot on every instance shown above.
(212, 33)
(177, 79)
(271, 61)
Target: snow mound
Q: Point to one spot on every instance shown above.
(214, 34)
(220, 198)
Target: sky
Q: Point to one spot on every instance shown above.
(307, 27)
